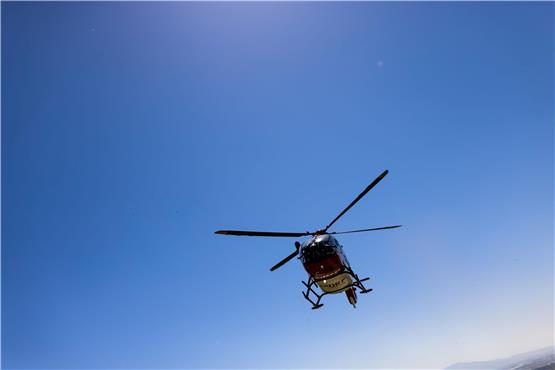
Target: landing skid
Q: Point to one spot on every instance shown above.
(357, 283)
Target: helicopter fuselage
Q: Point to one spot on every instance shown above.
(325, 261)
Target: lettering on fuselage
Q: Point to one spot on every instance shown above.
(335, 284)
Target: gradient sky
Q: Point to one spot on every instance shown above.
(132, 131)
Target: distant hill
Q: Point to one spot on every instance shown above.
(541, 359)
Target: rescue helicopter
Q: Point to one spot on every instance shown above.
(323, 257)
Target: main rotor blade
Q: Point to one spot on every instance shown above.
(363, 230)
(285, 260)
(368, 188)
(261, 233)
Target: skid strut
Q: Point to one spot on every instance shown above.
(357, 283)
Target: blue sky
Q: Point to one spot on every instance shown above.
(132, 131)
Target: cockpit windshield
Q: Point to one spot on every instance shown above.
(318, 248)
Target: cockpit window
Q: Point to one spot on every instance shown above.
(318, 248)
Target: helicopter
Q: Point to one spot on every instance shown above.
(323, 257)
